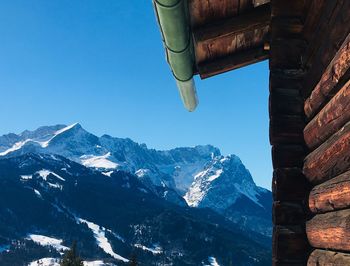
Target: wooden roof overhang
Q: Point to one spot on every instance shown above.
(229, 34)
(211, 37)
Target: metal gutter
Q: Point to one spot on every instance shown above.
(173, 20)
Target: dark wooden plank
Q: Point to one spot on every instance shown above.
(289, 242)
(289, 184)
(330, 159)
(326, 87)
(286, 79)
(330, 40)
(288, 156)
(288, 213)
(312, 20)
(331, 195)
(286, 27)
(286, 129)
(253, 19)
(323, 257)
(287, 53)
(330, 119)
(236, 34)
(287, 8)
(330, 230)
(231, 62)
(285, 102)
(204, 12)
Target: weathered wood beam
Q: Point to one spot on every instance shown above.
(289, 184)
(287, 156)
(203, 12)
(253, 19)
(285, 102)
(330, 159)
(289, 243)
(287, 8)
(323, 257)
(330, 119)
(288, 213)
(326, 87)
(327, 41)
(286, 53)
(286, 129)
(286, 79)
(289, 27)
(331, 195)
(330, 230)
(231, 62)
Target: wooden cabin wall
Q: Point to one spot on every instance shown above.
(287, 121)
(326, 94)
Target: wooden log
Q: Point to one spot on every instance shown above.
(204, 12)
(286, 27)
(285, 102)
(323, 257)
(287, 8)
(330, 39)
(289, 243)
(330, 159)
(289, 184)
(287, 53)
(249, 21)
(288, 213)
(331, 118)
(331, 195)
(287, 156)
(286, 129)
(327, 85)
(230, 62)
(230, 44)
(312, 19)
(330, 230)
(285, 79)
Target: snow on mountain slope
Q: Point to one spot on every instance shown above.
(48, 241)
(102, 240)
(220, 184)
(200, 174)
(98, 161)
(43, 141)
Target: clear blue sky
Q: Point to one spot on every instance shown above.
(101, 63)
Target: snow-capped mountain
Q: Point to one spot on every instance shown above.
(196, 176)
(48, 201)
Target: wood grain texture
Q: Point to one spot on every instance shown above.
(285, 102)
(231, 62)
(289, 184)
(289, 243)
(288, 212)
(288, 156)
(204, 12)
(330, 119)
(330, 159)
(330, 230)
(286, 129)
(331, 195)
(326, 42)
(237, 34)
(326, 87)
(323, 258)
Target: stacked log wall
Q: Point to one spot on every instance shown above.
(326, 96)
(287, 121)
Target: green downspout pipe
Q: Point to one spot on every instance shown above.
(174, 24)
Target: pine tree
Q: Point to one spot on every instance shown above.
(71, 257)
(133, 261)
